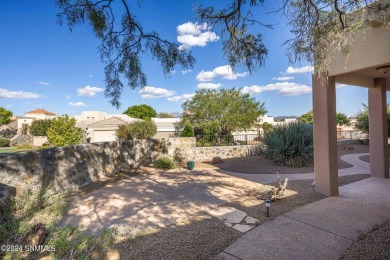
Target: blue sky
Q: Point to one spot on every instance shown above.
(44, 65)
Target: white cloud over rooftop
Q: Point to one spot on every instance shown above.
(5, 93)
(89, 91)
(226, 72)
(152, 92)
(77, 104)
(283, 88)
(182, 97)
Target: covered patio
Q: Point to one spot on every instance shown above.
(368, 66)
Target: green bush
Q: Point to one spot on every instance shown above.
(188, 131)
(4, 142)
(40, 127)
(164, 163)
(139, 129)
(290, 144)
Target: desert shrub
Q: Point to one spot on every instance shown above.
(142, 129)
(290, 144)
(122, 132)
(24, 146)
(4, 142)
(188, 131)
(164, 163)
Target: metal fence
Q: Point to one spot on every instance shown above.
(225, 140)
(351, 134)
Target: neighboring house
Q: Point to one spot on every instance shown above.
(101, 127)
(104, 130)
(285, 119)
(21, 123)
(167, 127)
(40, 114)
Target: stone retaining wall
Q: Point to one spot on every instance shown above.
(71, 167)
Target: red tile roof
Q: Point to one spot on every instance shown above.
(41, 111)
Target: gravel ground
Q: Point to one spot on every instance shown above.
(262, 165)
(375, 245)
(205, 239)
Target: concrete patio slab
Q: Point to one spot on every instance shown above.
(320, 230)
(373, 192)
(285, 238)
(340, 216)
(226, 256)
(228, 214)
(155, 200)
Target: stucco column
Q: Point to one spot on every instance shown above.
(377, 109)
(325, 135)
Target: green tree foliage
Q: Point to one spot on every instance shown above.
(63, 132)
(222, 111)
(306, 118)
(164, 115)
(267, 127)
(140, 130)
(5, 116)
(342, 119)
(290, 144)
(188, 131)
(362, 122)
(40, 127)
(141, 111)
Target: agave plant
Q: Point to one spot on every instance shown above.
(290, 144)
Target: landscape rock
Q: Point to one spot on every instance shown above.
(216, 160)
(251, 220)
(228, 214)
(243, 228)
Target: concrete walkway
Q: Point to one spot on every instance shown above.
(320, 230)
(359, 167)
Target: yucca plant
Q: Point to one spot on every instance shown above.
(290, 144)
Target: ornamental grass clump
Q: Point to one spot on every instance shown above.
(164, 163)
(290, 144)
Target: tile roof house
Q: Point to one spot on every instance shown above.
(40, 114)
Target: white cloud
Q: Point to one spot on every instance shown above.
(4, 93)
(305, 69)
(283, 88)
(182, 97)
(8, 105)
(38, 105)
(205, 76)
(282, 78)
(194, 34)
(208, 85)
(186, 71)
(339, 85)
(43, 83)
(172, 72)
(225, 72)
(68, 96)
(90, 75)
(77, 104)
(89, 91)
(152, 92)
